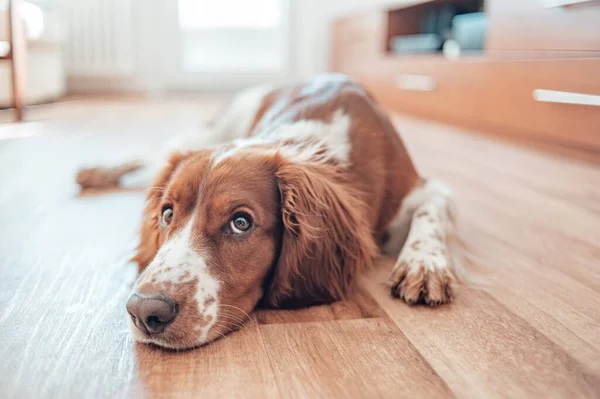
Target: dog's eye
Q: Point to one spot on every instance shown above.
(240, 223)
(167, 216)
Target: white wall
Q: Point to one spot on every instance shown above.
(150, 32)
(309, 41)
(312, 28)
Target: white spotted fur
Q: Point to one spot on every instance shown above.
(399, 227)
(179, 256)
(435, 200)
(334, 135)
(309, 137)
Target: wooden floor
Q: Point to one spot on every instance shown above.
(531, 221)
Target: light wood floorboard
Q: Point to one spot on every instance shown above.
(530, 328)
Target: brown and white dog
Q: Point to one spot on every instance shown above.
(310, 184)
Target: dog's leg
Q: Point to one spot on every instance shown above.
(424, 270)
(139, 170)
(104, 177)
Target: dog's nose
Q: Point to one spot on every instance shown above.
(151, 314)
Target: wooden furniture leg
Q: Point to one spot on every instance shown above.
(17, 56)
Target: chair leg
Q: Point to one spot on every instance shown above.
(18, 48)
(17, 92)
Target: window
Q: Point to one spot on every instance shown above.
(232, 36)
(207, 14)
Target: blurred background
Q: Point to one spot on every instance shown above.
(150, 46)
(505, 67)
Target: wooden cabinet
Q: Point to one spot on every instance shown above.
(534, 25)
(530, 95)
(358, 38)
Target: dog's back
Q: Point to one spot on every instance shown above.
(333, 117)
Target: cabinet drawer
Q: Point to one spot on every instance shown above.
(544, 25)
(533, 97)
(549, 100)
(433, 87)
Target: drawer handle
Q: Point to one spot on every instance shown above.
(415, 82)
(565, 97)
(562, 3)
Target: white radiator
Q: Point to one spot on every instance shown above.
(101, 38)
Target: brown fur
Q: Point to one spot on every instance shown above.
(327, 240)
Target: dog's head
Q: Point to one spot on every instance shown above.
(225, 230)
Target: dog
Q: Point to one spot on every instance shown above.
(289, 196)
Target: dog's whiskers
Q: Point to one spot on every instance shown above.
(233, 317)
(235, 307)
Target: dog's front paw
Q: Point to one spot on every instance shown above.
(422, 280)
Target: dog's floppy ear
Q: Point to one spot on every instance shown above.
(150, 230)
(326, 240)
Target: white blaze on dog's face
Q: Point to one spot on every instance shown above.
(210, 237)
